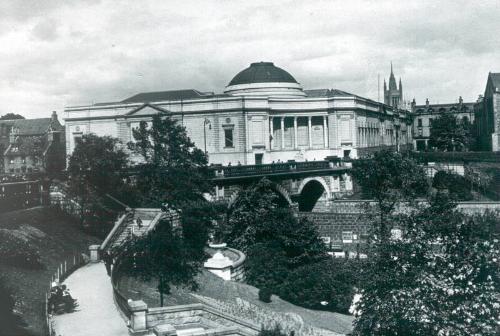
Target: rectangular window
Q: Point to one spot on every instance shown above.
(228, 137)
(419, 122)
(347, 236)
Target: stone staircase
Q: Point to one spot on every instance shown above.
(134, 223)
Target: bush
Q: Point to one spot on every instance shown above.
(458, 186)
(326, 285)
(11, 324)
(272, 332)
(265, 295)
(18, 252)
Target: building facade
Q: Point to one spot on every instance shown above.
(487, 115)
(32, 145)
(263, 116)
(424, 114)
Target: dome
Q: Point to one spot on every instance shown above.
(264, 79)
(262, 72)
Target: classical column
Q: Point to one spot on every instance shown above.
(325, 132)
(295, 140)
(271, 133)
(309, 127)
(282, 132)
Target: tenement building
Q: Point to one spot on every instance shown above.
(487, 115)
(424, 114)
(263, 116)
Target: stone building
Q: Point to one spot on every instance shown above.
(487, 115)
(263, 116)
(393, 96)
(32, 145)
(424, 114)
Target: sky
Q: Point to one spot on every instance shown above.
(76, 52)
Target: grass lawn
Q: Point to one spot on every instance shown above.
(57, 238)
(214, 287)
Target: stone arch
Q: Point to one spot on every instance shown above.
(310, 191)
(280, 191)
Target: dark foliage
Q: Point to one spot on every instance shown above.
(18, 252)
(447, 276)
(171, 255)
(94, 172)
(10, 323)
(458, 186)
(449, 134)
(276, 331)
(265, 295)
(11, 116)
(175, 171)
(389, 178)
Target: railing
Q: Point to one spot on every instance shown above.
(120, 299)
(116, 231)
(277, 168)
(63, 271)
(457, 156)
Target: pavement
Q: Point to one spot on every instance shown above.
(97, 313)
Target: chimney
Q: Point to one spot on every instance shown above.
(427, 102)
(460, 100)
(54, 116)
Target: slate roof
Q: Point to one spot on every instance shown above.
(262, 72)
(31, 126)
(147, 97)
(27, 145)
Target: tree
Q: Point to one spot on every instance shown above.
(448, 134)
(95, 170)
(389, 178)
(174, 170)
(11, 116)
(170, 255)
(440, 278)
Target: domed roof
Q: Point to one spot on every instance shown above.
(262, 72)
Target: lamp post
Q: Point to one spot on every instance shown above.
(205, 123)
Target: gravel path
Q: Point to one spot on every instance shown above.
(97, 313)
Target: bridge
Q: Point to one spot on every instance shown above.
(308, 183)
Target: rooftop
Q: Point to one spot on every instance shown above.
(262, 72)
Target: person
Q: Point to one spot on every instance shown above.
(139, 222)
(108, 260)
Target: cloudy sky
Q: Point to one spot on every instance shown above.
(61, 53)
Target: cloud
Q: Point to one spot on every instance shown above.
(64, 53)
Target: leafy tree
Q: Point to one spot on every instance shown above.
(168, 254)
(95, 170)
(440, 278)
(174, 170)
(11, 116)
(389, 178)
(449, 134)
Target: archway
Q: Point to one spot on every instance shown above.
(310, 193)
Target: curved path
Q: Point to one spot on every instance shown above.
(97, 313)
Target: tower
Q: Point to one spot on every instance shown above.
(393, 95)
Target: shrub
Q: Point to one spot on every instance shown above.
(18, 252)
(11, 324)
(326, 285)
(458, 186)
(265, 295)
(276, 331)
